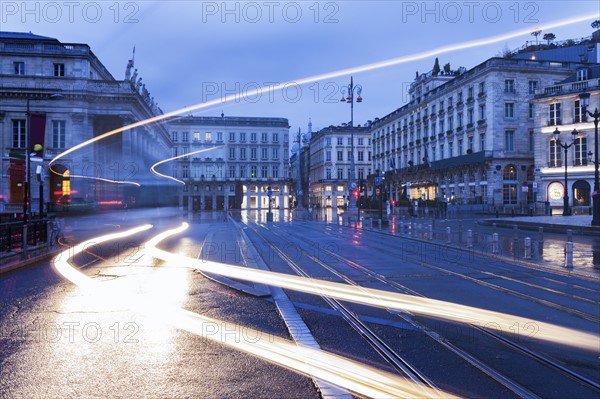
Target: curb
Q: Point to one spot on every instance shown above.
(551, 228)
(28, 262)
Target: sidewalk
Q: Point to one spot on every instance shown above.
(579, 224)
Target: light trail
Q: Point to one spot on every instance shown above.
(153, 170)
(329, 367)
(499, 322)
(335, 74)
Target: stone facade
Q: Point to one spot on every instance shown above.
(468, 138)
(232, 162)
(330, 150)
(559, 107)
(67, 87)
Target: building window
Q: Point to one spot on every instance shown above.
(441, 151)
(459, 120)
(232, 153)
(264, 153)
(253, 137)
(482, 112)
(243, 137)
(220, 137)
(208, 137)
(531, 141)
(59, 70)
(554, 159)
(18, 133)
(580, 151)
(450, 149)
(509, 140)
(328, 156)
(184, 137)
(196, 136)
(264, 137)
(340, 173)
(275, 137)
(361, 173)
(554, 114)
(185, 171)
(328, 173)
(509, 187)
(582, 74)
(532, 86)
(328, 141)
(340, 141)
(231, 136)
(530, 110)
(19, 68)
(340, 155)
(275, 172)
(275, 153)
(470, 116)
(253, 153)
(232, 171)
(58, 134)
(450, 123)
(470, 144)
(253, 170)
(349, 155)
(242, 153)
(482, 142)
(509, 110)
(460, 147)
(369, 158)
(580, 115)
(174, 137)
(481, 88)
(242, 171)
(361, 141)
(509, 85)
(361, 156)
(264, 173)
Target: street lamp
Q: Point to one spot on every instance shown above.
(349, 98)
(585, 101)
(566, 209)
(26, 187)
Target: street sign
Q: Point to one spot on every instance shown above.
(300, 192)
(353, 185)
(534, 185)
(378, 181)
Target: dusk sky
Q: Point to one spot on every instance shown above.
(190, 51)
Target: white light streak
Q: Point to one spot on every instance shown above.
(331, 75)
(153, 167)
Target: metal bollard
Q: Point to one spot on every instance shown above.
(379, 223)
(430, 235)
(448, 235)
(469, 238)
(540, 234)
(569, 254)
(495, 243)
(527, 248)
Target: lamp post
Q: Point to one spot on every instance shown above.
(585, 100)
(26, 186)
(566, 209)
(349, 98)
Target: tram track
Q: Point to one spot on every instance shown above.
(518, 389)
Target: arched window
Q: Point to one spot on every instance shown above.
(509, 188)
(510, 173)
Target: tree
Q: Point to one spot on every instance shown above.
(596, 24)
(549, 37)
(536, 33)
(436, 67)
(447, 68)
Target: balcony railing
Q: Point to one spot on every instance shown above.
(569, 87)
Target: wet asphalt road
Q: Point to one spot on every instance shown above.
(59, 340)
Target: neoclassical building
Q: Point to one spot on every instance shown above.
(560, 108)
(330, 150)
(466, 136)
(232, 163)
(62, 95)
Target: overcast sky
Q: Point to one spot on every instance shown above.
(190, 51)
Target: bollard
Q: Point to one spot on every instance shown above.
(448, 235)
(469, 238)
(569, 254)
(379, 223)
(570, 235)
(430, 232)
(541, 234)
(495, 243)
(527, 248)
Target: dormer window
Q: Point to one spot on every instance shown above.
(582, 74)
